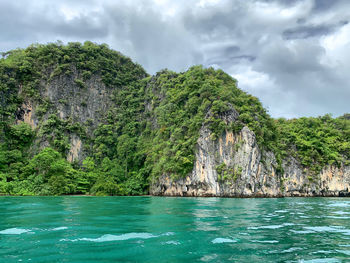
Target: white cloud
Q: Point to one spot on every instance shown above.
(274, 11)
(337, 41)
(293, 55)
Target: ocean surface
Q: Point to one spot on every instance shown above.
(160, 229)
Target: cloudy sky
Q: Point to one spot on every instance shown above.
(292, 54)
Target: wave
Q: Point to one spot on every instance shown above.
(271, 226)
(109, 237)
(292, 249)
(340, 204)
(220, 240)
(14, 231)
(331, 229)
(59, 228)
(171, 242)
(341, 213)
(321, 260)
(265, 241)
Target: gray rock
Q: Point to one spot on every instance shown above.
(246, 172)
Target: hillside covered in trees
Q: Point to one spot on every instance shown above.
(85, 119)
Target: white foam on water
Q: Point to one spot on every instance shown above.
(338, 217)
(171, 242)
(265, 227)
(292, 249)
(320, 260)
(340, 204)
(320, 228)
(271, 215)
(341, 213)
(59, 228)
(331, 229)
(14, 231)
(323, 252)
(265, 241)
(109, 237)
(281, 211)
(271, 226)
(302, 231)
(221, 240)
(168, 234)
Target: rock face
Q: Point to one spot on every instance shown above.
(65, 108)
(80, 103)
(70, 102)
(331, 181)
(234, 166)
(229, 166)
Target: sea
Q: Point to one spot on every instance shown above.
(174, 229)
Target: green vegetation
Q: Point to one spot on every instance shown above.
(228, 175)
(24, 75)
(148, 126)
(315, 142)
(183, 102)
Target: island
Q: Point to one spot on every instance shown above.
(84, 119)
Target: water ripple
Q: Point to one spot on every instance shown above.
(331, 229)
(152, 229)
(109, 237)
(14, 231)
(265, 241)
(220, 240)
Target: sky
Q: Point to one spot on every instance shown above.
(294, 55)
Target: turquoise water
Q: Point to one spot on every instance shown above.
(158, 229)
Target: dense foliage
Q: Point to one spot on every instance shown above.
(24, 76)
(149, 127)
(184, 102)
(315, 142)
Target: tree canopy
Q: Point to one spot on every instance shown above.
(149, 126)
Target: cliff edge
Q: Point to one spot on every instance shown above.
(85, 119)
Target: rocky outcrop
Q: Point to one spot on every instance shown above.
(82, 103)
(68, 98)
(331, 181)
(234, 166)
(75, 149)
(229, 166)
(26, 114)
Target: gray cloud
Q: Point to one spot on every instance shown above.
(292, 54)
(325, 5)
(154, 42)
(307, 31)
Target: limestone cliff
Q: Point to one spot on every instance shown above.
(331, 181)
(120, 131)
(71, 103)
(234, 166)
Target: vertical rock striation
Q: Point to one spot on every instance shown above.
(70, 102)
(234, 166)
